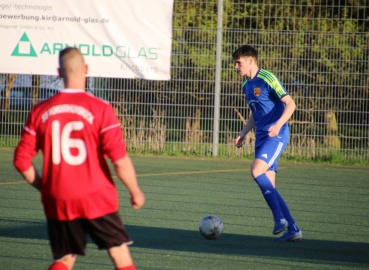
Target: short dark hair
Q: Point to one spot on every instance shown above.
(71, 62)
(66, 51)
(245, 51)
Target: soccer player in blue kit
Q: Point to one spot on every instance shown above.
(271, 107)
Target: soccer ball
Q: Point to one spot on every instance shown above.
(211, 227)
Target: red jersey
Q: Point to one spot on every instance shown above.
(74, 131)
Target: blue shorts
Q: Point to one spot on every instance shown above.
(270, 150)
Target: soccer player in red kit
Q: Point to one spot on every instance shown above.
(75, 132)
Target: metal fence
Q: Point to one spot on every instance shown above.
(319, 51)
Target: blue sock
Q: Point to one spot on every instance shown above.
(270, 197)
(286, 213)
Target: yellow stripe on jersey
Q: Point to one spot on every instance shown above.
(272, 81)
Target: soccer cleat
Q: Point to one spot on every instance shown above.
(290, 236)
(280, 227)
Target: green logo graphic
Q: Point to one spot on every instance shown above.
(24, 47)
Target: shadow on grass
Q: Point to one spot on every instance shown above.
(227, 244)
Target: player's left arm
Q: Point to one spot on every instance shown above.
(290, 107)
(115, 148)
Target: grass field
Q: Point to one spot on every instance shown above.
(329, 203)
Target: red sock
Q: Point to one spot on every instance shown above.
(58, 266)
(131, 267)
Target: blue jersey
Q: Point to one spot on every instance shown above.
(263, 94)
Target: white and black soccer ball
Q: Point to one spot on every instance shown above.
(211, 227)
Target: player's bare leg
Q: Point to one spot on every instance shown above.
(65, 263)
(121, 257)
(258, 167)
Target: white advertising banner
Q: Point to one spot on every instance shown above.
(118, 38)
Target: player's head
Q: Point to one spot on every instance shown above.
(72, 65)
(246, 58)
(245, 51)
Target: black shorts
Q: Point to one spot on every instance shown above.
(70, 237)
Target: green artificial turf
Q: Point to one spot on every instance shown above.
(329, 203)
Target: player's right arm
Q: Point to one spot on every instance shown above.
(32, 177)
(246, 128)
(126, 173)
(24, 153)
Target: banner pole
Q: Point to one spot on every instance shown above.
(218, 73)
